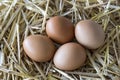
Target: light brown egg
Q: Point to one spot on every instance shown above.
(69, 56)
(39, 48)
(60, 29)
(89, 34)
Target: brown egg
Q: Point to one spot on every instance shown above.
(69, 56)
(60, 29)
(39, 48)
(89, 34)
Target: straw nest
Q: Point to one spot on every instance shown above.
(20, 18)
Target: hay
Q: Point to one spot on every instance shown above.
(20, 18)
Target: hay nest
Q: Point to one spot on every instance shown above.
(20, 18)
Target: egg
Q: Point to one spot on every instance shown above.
(90, 34)
(39, 48)
(60, 29)
(69, 56)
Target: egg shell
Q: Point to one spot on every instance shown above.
(39, 48)
(70, 56)
(60, 29)
(89, 33)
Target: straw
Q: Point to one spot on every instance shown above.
(21, 18)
